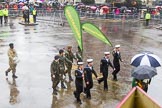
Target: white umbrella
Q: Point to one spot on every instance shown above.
(38, 1)
(146, 59)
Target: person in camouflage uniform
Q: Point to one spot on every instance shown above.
(79, 55)
(69, 54)
(55, 73)
(62, 62)
(12, 65)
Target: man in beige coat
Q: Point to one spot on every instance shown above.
(12, 60)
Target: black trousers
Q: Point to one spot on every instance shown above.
(87, 89)
(116, 71)
(34, 18)
(5, 19)
(147, 22)
(104, 78)
(1, 19)
(79, 90)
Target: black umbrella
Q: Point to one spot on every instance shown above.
(144, 72)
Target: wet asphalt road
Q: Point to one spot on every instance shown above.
(36, 47)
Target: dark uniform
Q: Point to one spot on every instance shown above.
(69, 55)
(55, 74)
(62, 62)
(117, 58)
(78, 84)
(26, 15)
(105, 63)
(88, 78)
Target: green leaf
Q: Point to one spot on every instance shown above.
(96, 32)
(74, 22)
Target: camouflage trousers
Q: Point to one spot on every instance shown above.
(55, 82)
(62, 73)
(69, 67)
(12, 68)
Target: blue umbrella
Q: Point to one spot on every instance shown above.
(145, 59)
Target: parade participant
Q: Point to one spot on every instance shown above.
(88, 70)
(26, 13)
(62, 62)
(1, 15)
(12, 58)
(55, 72)
(147, 18)
(143, 84)
(134, 82)
(5, 12)
(116, 58)
(79, 55)
(79, 81)
(69, 55)
(34, 12)
(104, 64)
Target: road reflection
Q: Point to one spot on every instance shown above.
(14, 92)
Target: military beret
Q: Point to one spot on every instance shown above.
(69, 46)
(57, 57)
(11, 44)
(61, 51)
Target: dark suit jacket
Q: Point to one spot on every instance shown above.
(117, 58)
(88, 74)
(104, 64)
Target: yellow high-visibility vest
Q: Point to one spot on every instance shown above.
(5, 12)
(34, 12)
(148, 16)
(1, 12)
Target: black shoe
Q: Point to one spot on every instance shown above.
(6, 73)
(74, 94)
(63, 86)
(99, 81)
(14, 76)
(70, 79)
(80, 102)
(105, 89)
(84, 90)
(115, 79)
(54, 92)
(88, 97)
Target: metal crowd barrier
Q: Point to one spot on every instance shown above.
(108, 16)
(53, 14)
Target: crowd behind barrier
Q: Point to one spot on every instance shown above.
(57, 13)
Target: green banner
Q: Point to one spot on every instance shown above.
(94, 31)
(74, 22)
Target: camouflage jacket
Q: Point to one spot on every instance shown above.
(62, 61)
(70, 56)
(55, 70)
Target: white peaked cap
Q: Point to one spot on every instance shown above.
(89, 60)
(80, 63)
(117, 46)
(106, 53)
